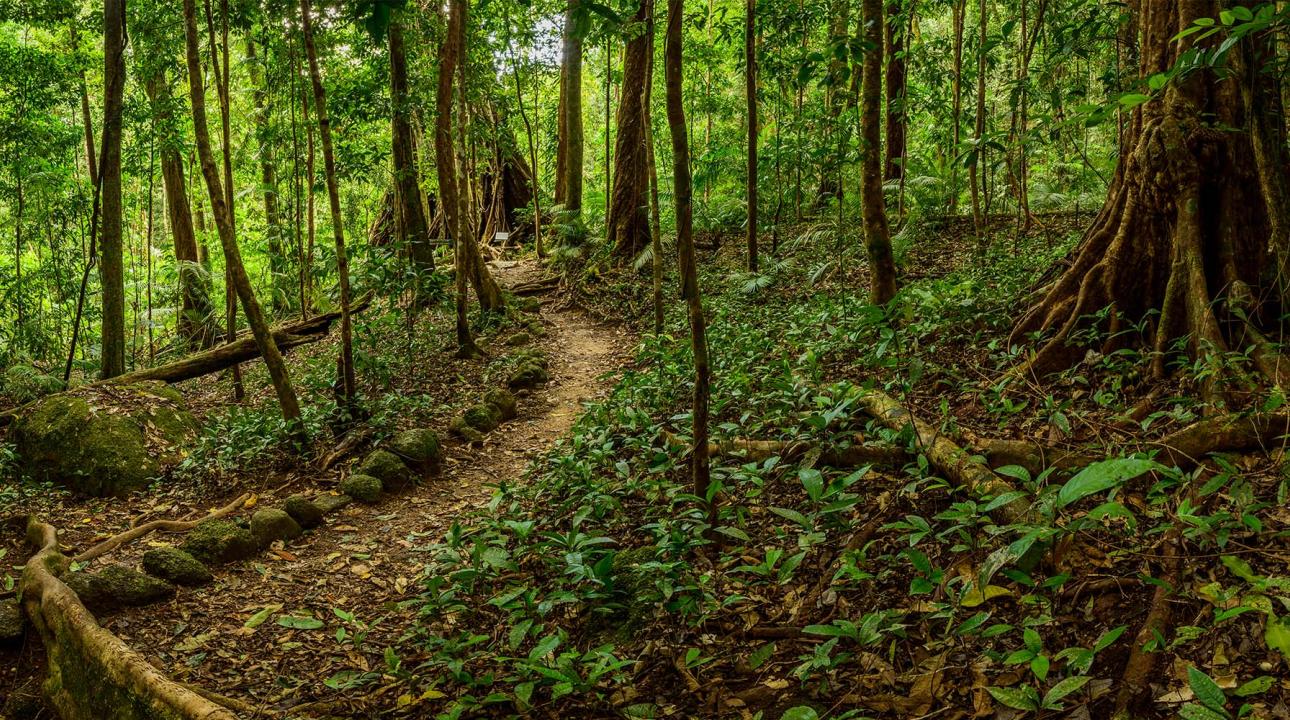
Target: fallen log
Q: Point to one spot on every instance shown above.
(92, 673)
(240, 350)
(855, 455)
(958, 464)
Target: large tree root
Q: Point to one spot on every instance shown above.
(1141, 663)
(856, 455)
(91, 673)
(135, 533)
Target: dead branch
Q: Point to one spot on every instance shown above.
(92, 673)
(135, 533)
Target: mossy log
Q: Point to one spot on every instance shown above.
(92, 674)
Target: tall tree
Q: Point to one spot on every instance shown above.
(978, 135)
(895, 40)
(750, 98)
(111, 265)
(1192, 218)
(882, 266)
(333, 201)
(959, 11)
(628, 218)
(571, 106)
(413, 226)
(446, 164)
(224, 225)
(683, 192)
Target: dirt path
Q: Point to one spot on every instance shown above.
(366, 559)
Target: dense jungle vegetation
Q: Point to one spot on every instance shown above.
(761, 359)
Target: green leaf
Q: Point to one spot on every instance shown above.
(1108, 637)
(761, 655)
(1064, 688)
(1240, 568)
(1277, 634)
(801, 712)
(1039, 666)
(258, 619)
(813, 481)
(300, 623)
(1133, 100)
(1207, 691)
(792, 515)
(1013, 698)
(1101, 476)
(1192, 711)
(1256, 686)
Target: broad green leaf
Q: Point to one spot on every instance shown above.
(1192, 711)
(1101, 476)
(801, 712)
(1064, 688)
(1277, 634)
(1013, 698)
(258, 619)
(1207, 691)
(300, 623)
(761, 655)
(975, 597)
(1256, 686)
(813, 481)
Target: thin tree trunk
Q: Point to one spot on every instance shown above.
(959, 12)
(882, 268)
(311, 214)
(224, 224)
(656, 230)
(413, 225)
(111, 267)
(750, 97)
(686, 259)
(628, 219)
(573, 111)
(528, 133)
(978, 135)
(268, 181)
(895, 40)
(333, 200)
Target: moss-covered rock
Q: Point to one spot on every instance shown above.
(12, 622)
(519, 338)
(419, 448)
(365, 488)
(463, 430)
(219, 541)
(536, 328)
(528, 375)
(385, 465)
(176, 566)
(483, 417)
(104, 439)
(269, 524)
(503, 401)
(306, 513)
(528, 304)
(531, 356)
(117, 586)
(331, 502)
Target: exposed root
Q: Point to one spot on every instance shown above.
(536, 287)
(1225, 433)
(1138, 669)
(135, 533)
(958, 465)
(92, 674)
(856, 455)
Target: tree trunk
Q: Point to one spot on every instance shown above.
(628, 217)
(750, 98)
(196, 323)
(269, 184)
(882, 267)
(839, 97)
(572, 110)
(333, 200)
(224, 224)
(686, 260)
(1185, 229)
(894, 38)
(656, 230)
(446, 165)
(413, 226)
(111, 268)
(978, 152)
(959, 11)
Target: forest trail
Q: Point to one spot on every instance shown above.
(367, 558)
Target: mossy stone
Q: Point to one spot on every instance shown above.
(176, 566)
(519, 338)
(12, 622)
(331, 502)
(462, 429)
(269, 524)
(528, 304)
(419, 448)
(528, 375)
(503, 401)
(482, 417)
(117, 586)
(307, 514)
(365, 488)
(385, 465)
(219, 541)
(104, 440)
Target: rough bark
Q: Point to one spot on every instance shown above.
(1181, 239)
(333, 200)
(413, 226)
(686, 259)
(628, 218)
(111, 248)
(269, 185)
(224, 224)
(882, 266)
(750, 101)
(894, 39)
